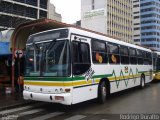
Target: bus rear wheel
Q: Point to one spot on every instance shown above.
(102, 92)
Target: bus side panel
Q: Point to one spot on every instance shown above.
(81, 94)
(126, 77)
(147, 71)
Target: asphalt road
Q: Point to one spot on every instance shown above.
(137, 103)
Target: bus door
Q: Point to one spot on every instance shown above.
(81, 55)
(81, 68)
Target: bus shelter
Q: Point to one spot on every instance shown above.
(23, 31)
(5, 60)
(5, 57)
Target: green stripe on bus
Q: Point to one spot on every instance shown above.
(70, 78)
(52, 79)
(63, 79)
(102, 76)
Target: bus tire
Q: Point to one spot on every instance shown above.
(102, 92)
(142, 82)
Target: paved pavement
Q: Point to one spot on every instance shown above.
(137, 103)
(9, 100)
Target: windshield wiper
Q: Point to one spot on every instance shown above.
(50, 46)
(46, 50)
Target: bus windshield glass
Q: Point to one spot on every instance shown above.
(48, 57)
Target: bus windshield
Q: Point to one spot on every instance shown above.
(48, 58)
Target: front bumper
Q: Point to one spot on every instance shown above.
(67, 99)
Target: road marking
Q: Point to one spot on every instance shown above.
(30, 112)
(21, 114)
(14, 110)
(44, 117)
(34, 105)
(76, 117)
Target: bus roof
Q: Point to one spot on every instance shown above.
(107, 38)
(97, 35)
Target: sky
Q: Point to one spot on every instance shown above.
(70, 10)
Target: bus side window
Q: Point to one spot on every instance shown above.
(99, 52)
(81, 57)
(158, 63)
(149, 55)
(140, 57)
(133, 56)
(124, 55)
(145, 58)
(154, 55)
(113, 53)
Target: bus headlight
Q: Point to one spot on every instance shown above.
(67, 90)
(25, 88)
(61, 90)
(56, 90)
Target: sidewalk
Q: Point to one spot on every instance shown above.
(11, 100)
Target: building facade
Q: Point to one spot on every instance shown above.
(136, 22)
(14, 12)
(111, 17)
(150, 23)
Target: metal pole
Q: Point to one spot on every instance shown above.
(19, 87)
(13, 62)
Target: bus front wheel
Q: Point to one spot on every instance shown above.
(102, 92)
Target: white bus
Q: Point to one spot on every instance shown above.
(71, 65)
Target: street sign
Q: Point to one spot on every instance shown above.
(18, 53)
